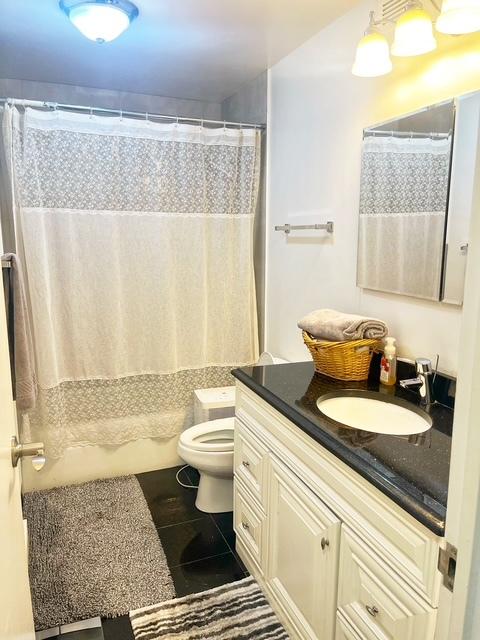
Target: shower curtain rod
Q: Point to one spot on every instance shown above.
(41, 104)
(373, 133)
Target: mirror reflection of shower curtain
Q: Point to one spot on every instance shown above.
(403, 205)
(137, 242)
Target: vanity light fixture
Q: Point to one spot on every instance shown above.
(413, 36)
(459, 16)
(413, 32)
(372, 57)
(100, 20)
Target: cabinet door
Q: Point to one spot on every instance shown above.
(303, 538)
(374, 600)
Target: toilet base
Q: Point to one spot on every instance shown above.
(215, 495)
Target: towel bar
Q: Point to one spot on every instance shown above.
(327, 226)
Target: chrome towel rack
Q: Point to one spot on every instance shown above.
(286, 228)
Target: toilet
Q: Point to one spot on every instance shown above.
(208, 445)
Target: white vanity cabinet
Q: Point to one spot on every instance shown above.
(336, 558)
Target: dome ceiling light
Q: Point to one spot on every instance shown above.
(100, 20)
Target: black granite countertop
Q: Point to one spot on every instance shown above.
(411, 470)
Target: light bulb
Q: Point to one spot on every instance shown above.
(372, 57)
(413, 32)
(459, 17)
(100, 20)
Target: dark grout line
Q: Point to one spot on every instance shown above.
(221, 533)
(175, 524)
(217, 555)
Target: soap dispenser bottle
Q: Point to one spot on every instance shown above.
(388, 364)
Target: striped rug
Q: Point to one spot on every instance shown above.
(235, 611)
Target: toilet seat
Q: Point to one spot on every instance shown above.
(214, 435)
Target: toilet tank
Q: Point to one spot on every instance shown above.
(212, 404)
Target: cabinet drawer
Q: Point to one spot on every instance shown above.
(375, 602)
(248, 523)
(249, 461)
(344, 630)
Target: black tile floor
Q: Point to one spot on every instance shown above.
(200, 547)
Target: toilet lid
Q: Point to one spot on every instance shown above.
(215, 435)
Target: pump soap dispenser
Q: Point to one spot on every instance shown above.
(388, 364)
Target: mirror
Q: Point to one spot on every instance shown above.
(416, 194)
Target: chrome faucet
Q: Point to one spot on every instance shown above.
(424, 379)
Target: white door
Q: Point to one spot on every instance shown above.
(303, 538)
(16, 619)
(459, 612)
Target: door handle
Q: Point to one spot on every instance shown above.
(34, 450)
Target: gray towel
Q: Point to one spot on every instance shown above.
(25, 383)
(327, 324)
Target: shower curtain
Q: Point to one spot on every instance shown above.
(403, 208)
(137, 242)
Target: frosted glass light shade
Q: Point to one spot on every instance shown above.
(100, 20)
(413, 33)
(459, 16)
(372, 57)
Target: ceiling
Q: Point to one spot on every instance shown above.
(197, 49)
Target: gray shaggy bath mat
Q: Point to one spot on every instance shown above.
(236, 611)
(93, 551)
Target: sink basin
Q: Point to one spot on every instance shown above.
(371, 411)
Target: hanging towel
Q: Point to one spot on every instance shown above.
(21, 344)
(327, 324)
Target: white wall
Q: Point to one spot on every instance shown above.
(108, 99)
(249, 105)
(81, 464)
(317, 110)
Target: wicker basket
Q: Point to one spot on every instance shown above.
(341, 360)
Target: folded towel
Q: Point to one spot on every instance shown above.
(25, 385)
(327, 324)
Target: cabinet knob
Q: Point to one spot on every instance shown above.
(246, 463)
(373, 611)
(324, 543)
(245, 525)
